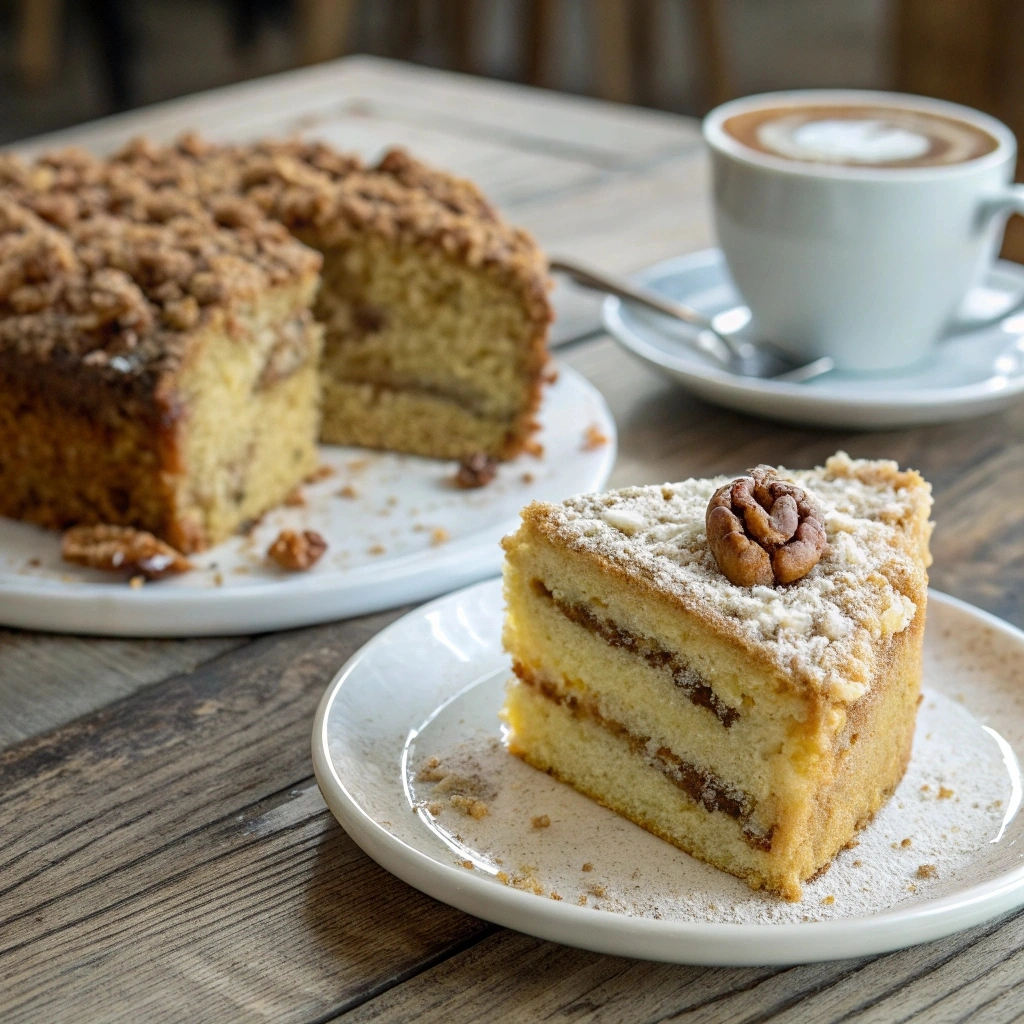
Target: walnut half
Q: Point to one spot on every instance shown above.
(295, 551)
(122, 548)
(763, 530)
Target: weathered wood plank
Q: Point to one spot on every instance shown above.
(47, 680)
(509, 977)
(119, 784)
(271, 913)
(606, 135)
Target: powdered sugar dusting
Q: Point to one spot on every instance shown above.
(949, 807)
(822, 629)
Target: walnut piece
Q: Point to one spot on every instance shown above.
(297, 551)
(476, 471)
(763, 530)
(122, 548)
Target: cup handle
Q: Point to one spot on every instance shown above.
(1010, 200)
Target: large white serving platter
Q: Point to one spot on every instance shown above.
(406, 535)
(431, 684)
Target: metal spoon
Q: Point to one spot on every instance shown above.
(716, 337)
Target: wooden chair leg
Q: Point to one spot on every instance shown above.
(463, 21)
(38, 37)
(645, 40)
(325, 29)
(711, 52)
(613, 51)
(541, 26)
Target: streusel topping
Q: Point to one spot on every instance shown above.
(325, 197)
(99, 265)
(821, 629)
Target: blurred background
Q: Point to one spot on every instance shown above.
(67, 61)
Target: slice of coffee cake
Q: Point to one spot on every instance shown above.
(755, 724)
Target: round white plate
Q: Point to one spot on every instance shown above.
(974, 371)
(397, 530)
(945, 853)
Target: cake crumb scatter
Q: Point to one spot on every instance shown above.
(468, 864)
(439, 535)
(944, 793)
(540, 821)
(829, 900)
(926, 871)
(348, 491)
(468, 805)
(588, 866)
(137, 582)
(593, 438)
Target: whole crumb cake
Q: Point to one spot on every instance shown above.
(163, 314)
(755, 726)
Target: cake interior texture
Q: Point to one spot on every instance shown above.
(755, 728)
(435, 310)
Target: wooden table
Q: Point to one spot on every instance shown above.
(164, 851)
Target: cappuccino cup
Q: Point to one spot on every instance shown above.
(855, 223)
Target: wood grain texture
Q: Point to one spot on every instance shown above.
(153, 866)
(609, 136)
(47, 680)
(510, 978)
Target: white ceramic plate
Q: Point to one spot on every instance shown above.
(974, 371)
(402, 534)
(430, 685)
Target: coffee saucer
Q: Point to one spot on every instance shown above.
(978, 368)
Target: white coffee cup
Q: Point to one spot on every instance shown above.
(866, 264)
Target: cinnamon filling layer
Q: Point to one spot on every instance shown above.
(701, 786)
(687, 679)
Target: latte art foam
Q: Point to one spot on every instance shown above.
(860, 136)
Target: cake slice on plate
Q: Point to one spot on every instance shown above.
(735, 665)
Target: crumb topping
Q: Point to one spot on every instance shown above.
(104, 267)
(324, 197)
(112, 262)
(820, 629)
